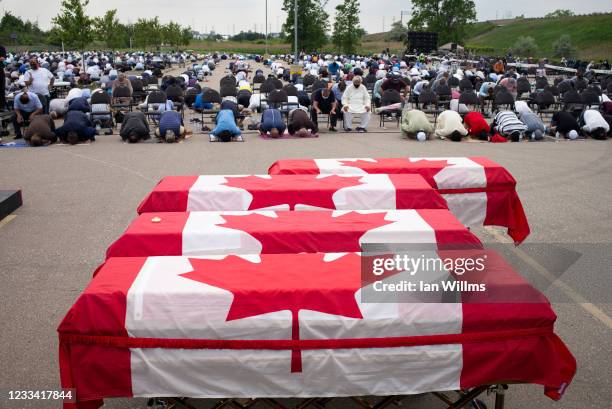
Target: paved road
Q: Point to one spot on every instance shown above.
(78, 199)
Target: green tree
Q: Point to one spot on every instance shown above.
(525, 46)
(108, 29)
(312, 23)
(186, 36)
(398, 32)
(74, 27)
(147, 33)
(563, 47)
(347, 32)
(448, 18)
(560, 13)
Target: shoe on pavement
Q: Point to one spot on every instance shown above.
(332, 129)
(348, 130)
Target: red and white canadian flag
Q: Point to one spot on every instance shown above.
(291, 192)
(268, 232)
(293, 325)
(478, 191)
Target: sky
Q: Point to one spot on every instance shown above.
(206, 15)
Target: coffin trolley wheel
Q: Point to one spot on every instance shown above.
(477, 404)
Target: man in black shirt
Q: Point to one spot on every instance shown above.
(324, 102)
(565, 124)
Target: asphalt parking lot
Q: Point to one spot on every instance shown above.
(79, 199)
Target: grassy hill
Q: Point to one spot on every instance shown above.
(591, 34)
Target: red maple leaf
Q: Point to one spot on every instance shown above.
(320, 231)
(279, 283)
(310, 190)
(426, 168)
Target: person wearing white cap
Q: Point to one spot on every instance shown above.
(415, 125)
(564, 124)
(356, 100)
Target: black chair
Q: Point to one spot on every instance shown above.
(155, 100)
(444, 96)
(138, 92)
(541, 82)
(101, 109)
(227, 81)
(503, 100)
(465, 85)
(572, 102)
(428, 103)
(277, 98)
(545, 102)
(590, 98)
(228, 90)
(210, 96)
(177, 96)
(522, 86)
(122, 99)
(390, 97)
(470, 100)
(308, 80)
(291, 90)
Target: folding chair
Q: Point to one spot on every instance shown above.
(470, 100)
(121, 100)
(177, 96)
(155, 100)
(138, 92)
(503, 100)
(390, 97)
(100, 110)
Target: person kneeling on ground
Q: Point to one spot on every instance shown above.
(299, 124)
(77, 128)
(450, 126)
(476, 125)
(26, 105)
(356, 100)
(226, 129)
(41, 131)
(171, 127)
(564, 124)
(134, 127)
(594, 124)
(415, 125)
(507, 124)
(535, 127)
(272, 123)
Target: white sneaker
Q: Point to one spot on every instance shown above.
(213, 138)
(237, 138)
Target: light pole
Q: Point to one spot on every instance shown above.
(266, 28)
(402, 16)
(295, 32)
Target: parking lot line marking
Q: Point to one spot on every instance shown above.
(6, 220)
(590, 308)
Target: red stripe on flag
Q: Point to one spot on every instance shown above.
(170, 194)
(304, 344)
